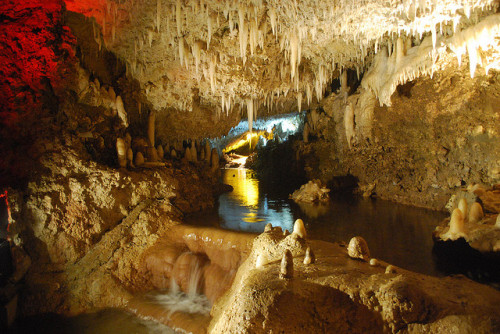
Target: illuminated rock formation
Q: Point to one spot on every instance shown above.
(358, 249)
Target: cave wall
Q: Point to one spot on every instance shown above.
(439, 135)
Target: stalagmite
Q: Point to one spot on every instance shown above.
(112, 94)
(207, 150)
(214, 160)
(476, 213)
(358, 249)
(173, 154)
(286, 268)
(194, 153)
(497, 223)
(374, 262)
(456, 224)
(121, 151)
(152, 154)
(299, 228)
(462, 205)
(187, 154)
(120, 109)
(309, 257)
(349, 124)
(130, 157)
(139, 159)
(390, 269)
(268, 227)
(151, 129)
(160, 152)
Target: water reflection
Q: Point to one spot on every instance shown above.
(246, 208)
(398, 234)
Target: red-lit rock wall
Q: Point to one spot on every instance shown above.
(36, 53)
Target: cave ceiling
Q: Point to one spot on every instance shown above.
(257, 55)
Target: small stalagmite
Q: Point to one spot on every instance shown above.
(139, 159)
(121, 150)
(214, 159)
(151, 129)
(194, 153)
(120, 109)
(456, 222)
(268, 227)
(497, 224)
(286, 268)
(309, 257)
(299, 228)
(173, 154)
(187, 154)
(358, 249)
(207, 150)
(152, 154)
(286, 232)
(462, 205)
(374, 262)
(130, 157)
(111, 93)
(202, 155)
(390, 269)
(160, 152)
(476, 213)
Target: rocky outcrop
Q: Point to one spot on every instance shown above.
(344, 295)
(437, 136)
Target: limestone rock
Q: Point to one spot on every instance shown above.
(286, 267)
(358, 249)
(312, 191)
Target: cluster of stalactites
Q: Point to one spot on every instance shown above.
(347, 34)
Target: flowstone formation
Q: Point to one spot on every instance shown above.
(343, 295)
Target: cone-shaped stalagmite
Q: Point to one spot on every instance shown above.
(130, 157)
(462, 205)
(139, 159)
(187, 154)
(121, 111)
(476, 213)
(286, 269)
(151, 129)
(309, 257)
(160, 152)
(456, 222)
(152, 154)
(299, 228)
(173, 154)
(121, 150)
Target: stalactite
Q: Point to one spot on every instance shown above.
(178, 17)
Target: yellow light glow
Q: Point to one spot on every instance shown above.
(244, 188)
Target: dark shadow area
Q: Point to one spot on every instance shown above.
(457, 257)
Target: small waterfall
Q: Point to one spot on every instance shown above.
(189, 270)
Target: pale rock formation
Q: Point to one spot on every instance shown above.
(462, 205)
(160, 152)
(286, 267)
(312, 191)
(130, 157)
(120, 109)
(358, 249)
(268, 227)
(309, 257)
(139, 159)
(374, 262)
(299, 229)
(476, 213)
(121, 151)
(390, 269)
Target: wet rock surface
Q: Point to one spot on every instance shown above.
(340, 294)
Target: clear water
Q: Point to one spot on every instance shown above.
(398, 234)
